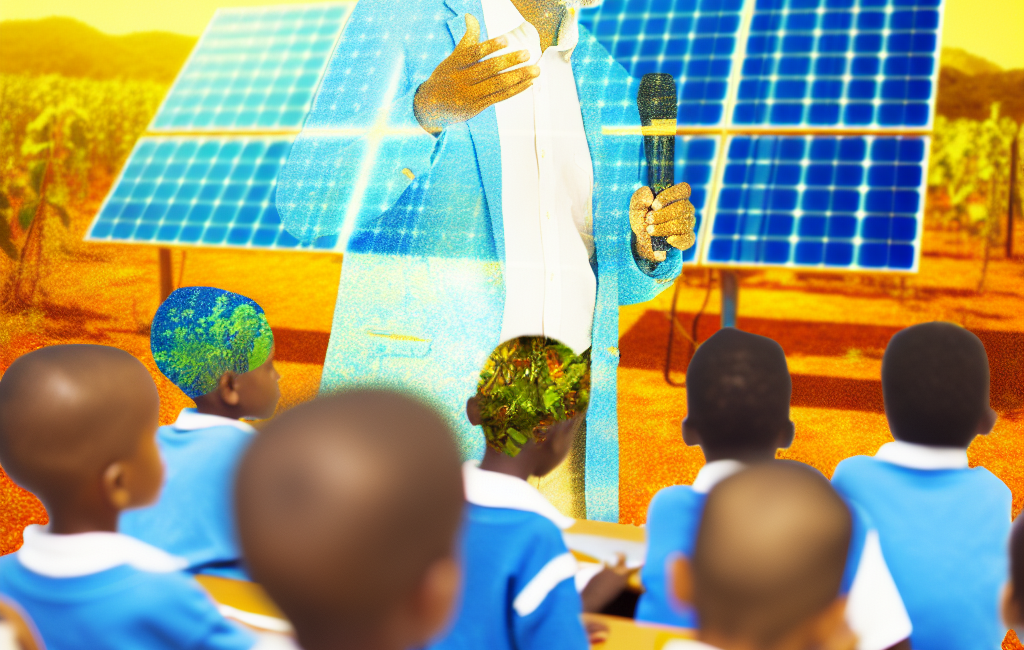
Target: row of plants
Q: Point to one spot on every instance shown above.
(61, 141)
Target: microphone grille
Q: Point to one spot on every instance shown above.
(656, 99)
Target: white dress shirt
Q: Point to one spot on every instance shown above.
(547, 183)
(914, 456)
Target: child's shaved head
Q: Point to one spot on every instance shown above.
(935, 381)
(770, 552)
(67, 412)
(345, 504)
(737, 391)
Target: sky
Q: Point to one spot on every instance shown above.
(993, 29)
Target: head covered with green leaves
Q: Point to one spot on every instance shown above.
(199, 333)
(528, 384)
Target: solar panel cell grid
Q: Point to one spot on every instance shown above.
(199, 191)
(839, 63)
(253, 69)
(850, 202)
(693, 40)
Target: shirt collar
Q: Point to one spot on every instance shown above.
(82, 554)
(502, 17)
(915, 456)
(714, 472)
(191, 420)
(497, 490)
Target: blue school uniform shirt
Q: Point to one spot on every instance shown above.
(944, 529)
(875, 611)
(194, 516)
(106, 591)
(519, 591)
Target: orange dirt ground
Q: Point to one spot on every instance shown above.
(833, 328)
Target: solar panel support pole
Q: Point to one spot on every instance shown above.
(730, 297)
(166, 275)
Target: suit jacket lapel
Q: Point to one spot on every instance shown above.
(483, 128)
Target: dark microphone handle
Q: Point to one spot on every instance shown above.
(660, 151)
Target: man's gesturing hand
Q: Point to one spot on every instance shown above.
(462, 85)
(670, 215)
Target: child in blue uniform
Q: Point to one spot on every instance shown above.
(519, 590)
(77, 428)
(738, 392)
(348, 512)
(943, 525)
(768, 562)
(217, 347)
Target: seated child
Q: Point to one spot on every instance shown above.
(768, 563)
(943, 525)
(737, 392)
(520, 589)
(17, 632)
(77, 429)
(348, 512)
(217, 347)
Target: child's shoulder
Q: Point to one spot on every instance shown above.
(674, 501)
(861, 469)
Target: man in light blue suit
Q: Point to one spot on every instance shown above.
(408, 155)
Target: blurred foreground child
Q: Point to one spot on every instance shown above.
(17, 632)
(520, 589)
(348, 508)
(217, 347)
(768, 563)
(943, 525)
(737, 392)
(77, 429)
(1013, 592)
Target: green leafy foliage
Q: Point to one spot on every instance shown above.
(528, 384)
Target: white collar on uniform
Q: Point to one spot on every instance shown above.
(497, 490)
(191, 420)
(502, 17)
(714, 472)
(82, 554)
(914, 456)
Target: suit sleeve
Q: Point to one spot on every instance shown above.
(546, 608)
(361, 133)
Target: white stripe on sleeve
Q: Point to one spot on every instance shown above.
(874, 609)
(554, 572)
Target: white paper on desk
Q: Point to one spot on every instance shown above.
(269, 641)
(258, 621)
(586, 573)
(606, 549)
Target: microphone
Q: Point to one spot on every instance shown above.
(658, 110)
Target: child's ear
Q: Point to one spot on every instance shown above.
(829, 629)
(786, 435)
(682, 578)
(434, 600)
(227, 389)
(115, 485)
(690, 435)
(473, 411)
(988, 422)
(1009, 607)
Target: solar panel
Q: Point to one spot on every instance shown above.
(205, 172)
(846, 202)
(839, 63)
(845, 80)
(692, 40)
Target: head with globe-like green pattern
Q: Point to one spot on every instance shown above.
(201, 333)
(527, 385)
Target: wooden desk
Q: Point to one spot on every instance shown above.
(600, 542)
(627, 634)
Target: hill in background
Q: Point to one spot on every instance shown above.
(71, 48)
(967, 63)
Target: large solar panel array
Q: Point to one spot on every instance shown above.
(859, 74)
(205, 172)
(850, 81)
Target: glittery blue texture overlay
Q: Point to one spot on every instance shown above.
(421, 296)
(199, 333)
